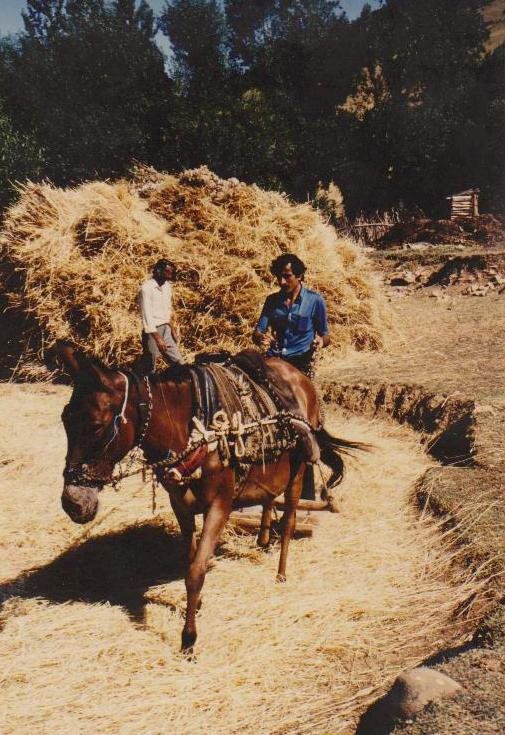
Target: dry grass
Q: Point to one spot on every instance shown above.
(377, 589)
(367, 230)
(452, 344)
(80, 255)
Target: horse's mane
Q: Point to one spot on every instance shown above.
(179, 373)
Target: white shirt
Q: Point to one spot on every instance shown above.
(155, 303)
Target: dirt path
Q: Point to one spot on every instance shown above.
(374, 591)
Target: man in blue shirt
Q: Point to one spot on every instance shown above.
(295, 315)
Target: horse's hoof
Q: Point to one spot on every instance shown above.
(188, 641)
(281, 578)
(332, 505)
(264, 546)
(189, 655)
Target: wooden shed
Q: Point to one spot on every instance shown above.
(464, 203)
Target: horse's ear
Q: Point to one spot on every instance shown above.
(66, 357)
(81, 367)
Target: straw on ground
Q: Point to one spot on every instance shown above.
(377, 589)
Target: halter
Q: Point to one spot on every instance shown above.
(78, 474)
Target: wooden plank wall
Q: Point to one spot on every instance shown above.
(464, 205)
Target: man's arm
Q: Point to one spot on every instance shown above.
(260, 337)
(144, 301)
(322, 338)
(148, 321)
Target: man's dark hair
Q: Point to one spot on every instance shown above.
(163, 263)
(278, 265)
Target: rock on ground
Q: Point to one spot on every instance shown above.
(415, 689)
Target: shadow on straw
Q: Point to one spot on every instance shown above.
(116, 568)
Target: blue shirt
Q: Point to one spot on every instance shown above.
(296, 326)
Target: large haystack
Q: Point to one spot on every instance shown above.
(83, 252)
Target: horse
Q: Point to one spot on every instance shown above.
(111, 411)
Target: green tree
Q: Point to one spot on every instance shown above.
(258, 84)
(480, 140)
(295, 54)
(429, 55)
(44, 19)
(20, 158)
(199, 65)
(88, 81)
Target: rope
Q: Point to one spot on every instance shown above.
(208, 437)
(122, 416)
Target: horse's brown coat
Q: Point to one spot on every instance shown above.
(97, 399)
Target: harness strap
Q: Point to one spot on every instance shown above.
(122, 416)
(144, 406)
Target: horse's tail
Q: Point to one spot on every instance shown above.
(331, 448)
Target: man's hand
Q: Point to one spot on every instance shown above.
(320, 342)
(262, 339)
(176, 333)
(160, 343)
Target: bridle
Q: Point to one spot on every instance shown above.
(78, 474)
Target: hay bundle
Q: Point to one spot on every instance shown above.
(83, 252)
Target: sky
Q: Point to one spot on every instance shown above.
(11, 22)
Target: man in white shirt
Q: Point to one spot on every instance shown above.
(160, 331)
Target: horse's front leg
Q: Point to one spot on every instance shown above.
(266, 523)
(291, 497)
(215, 519)
(186, 520)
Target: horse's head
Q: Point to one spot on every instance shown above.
(99, 424)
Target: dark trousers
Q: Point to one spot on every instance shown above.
(303, 362)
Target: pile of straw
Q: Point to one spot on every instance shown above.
(81, 254)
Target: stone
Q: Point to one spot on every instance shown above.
(415, 689)
(409, 276)
(417, 245)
